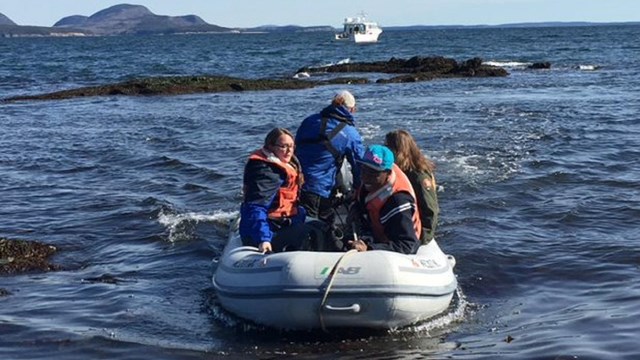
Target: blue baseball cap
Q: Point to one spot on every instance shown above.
(378, 157)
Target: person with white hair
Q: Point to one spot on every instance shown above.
(323, 141)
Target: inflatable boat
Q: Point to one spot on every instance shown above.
(306, 290)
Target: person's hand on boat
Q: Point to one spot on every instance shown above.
(265, 247)
(359, 245)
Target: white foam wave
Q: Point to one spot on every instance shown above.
(507, 64)
(178, 224)
(370, 131)
(458, 309)
(217, 216)
(302, 75)
(230, 320)
(588, 67)
(339, 62)
(224, 317)
(467, 165)
(477, 169)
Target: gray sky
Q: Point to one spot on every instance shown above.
(248, 13)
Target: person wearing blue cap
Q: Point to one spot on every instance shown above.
(385, 205)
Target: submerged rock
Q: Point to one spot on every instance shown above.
(18, 256)
(540, 65)
(104, 278)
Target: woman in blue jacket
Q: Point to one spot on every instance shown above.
(270, 216)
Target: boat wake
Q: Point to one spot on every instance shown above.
(458, 309)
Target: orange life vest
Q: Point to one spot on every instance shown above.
(286, 200)
(374, 202)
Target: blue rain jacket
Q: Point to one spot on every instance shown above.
(319, 165)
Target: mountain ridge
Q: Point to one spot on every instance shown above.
(126, 19)
(4, 20)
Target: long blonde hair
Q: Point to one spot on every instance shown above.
(272, 139)
(408, 156)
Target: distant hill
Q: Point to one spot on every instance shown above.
(512, 25)
(136, 19)
(5, 20)
(125, 19)
(564, 24)
(8, 28)
(70, 21)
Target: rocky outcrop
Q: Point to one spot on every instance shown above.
(540, 65)
(417, 68)
(18, 256)
(172, 86)
(414, 69)
(37, 31)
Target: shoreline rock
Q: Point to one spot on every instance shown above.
(414, 69)
(417, 68)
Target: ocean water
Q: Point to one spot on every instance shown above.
(538, 183)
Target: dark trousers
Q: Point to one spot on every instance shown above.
(317, 206)
(285, 238)
(323, 209)
(311, 236)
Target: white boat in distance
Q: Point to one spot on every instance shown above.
(359, 30)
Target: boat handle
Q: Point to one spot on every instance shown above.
(355, 308)
(452, 260)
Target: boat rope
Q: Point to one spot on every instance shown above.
(332, 276)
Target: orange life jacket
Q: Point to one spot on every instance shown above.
(286, 200)
(374, 202)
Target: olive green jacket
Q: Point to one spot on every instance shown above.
(424, 185)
